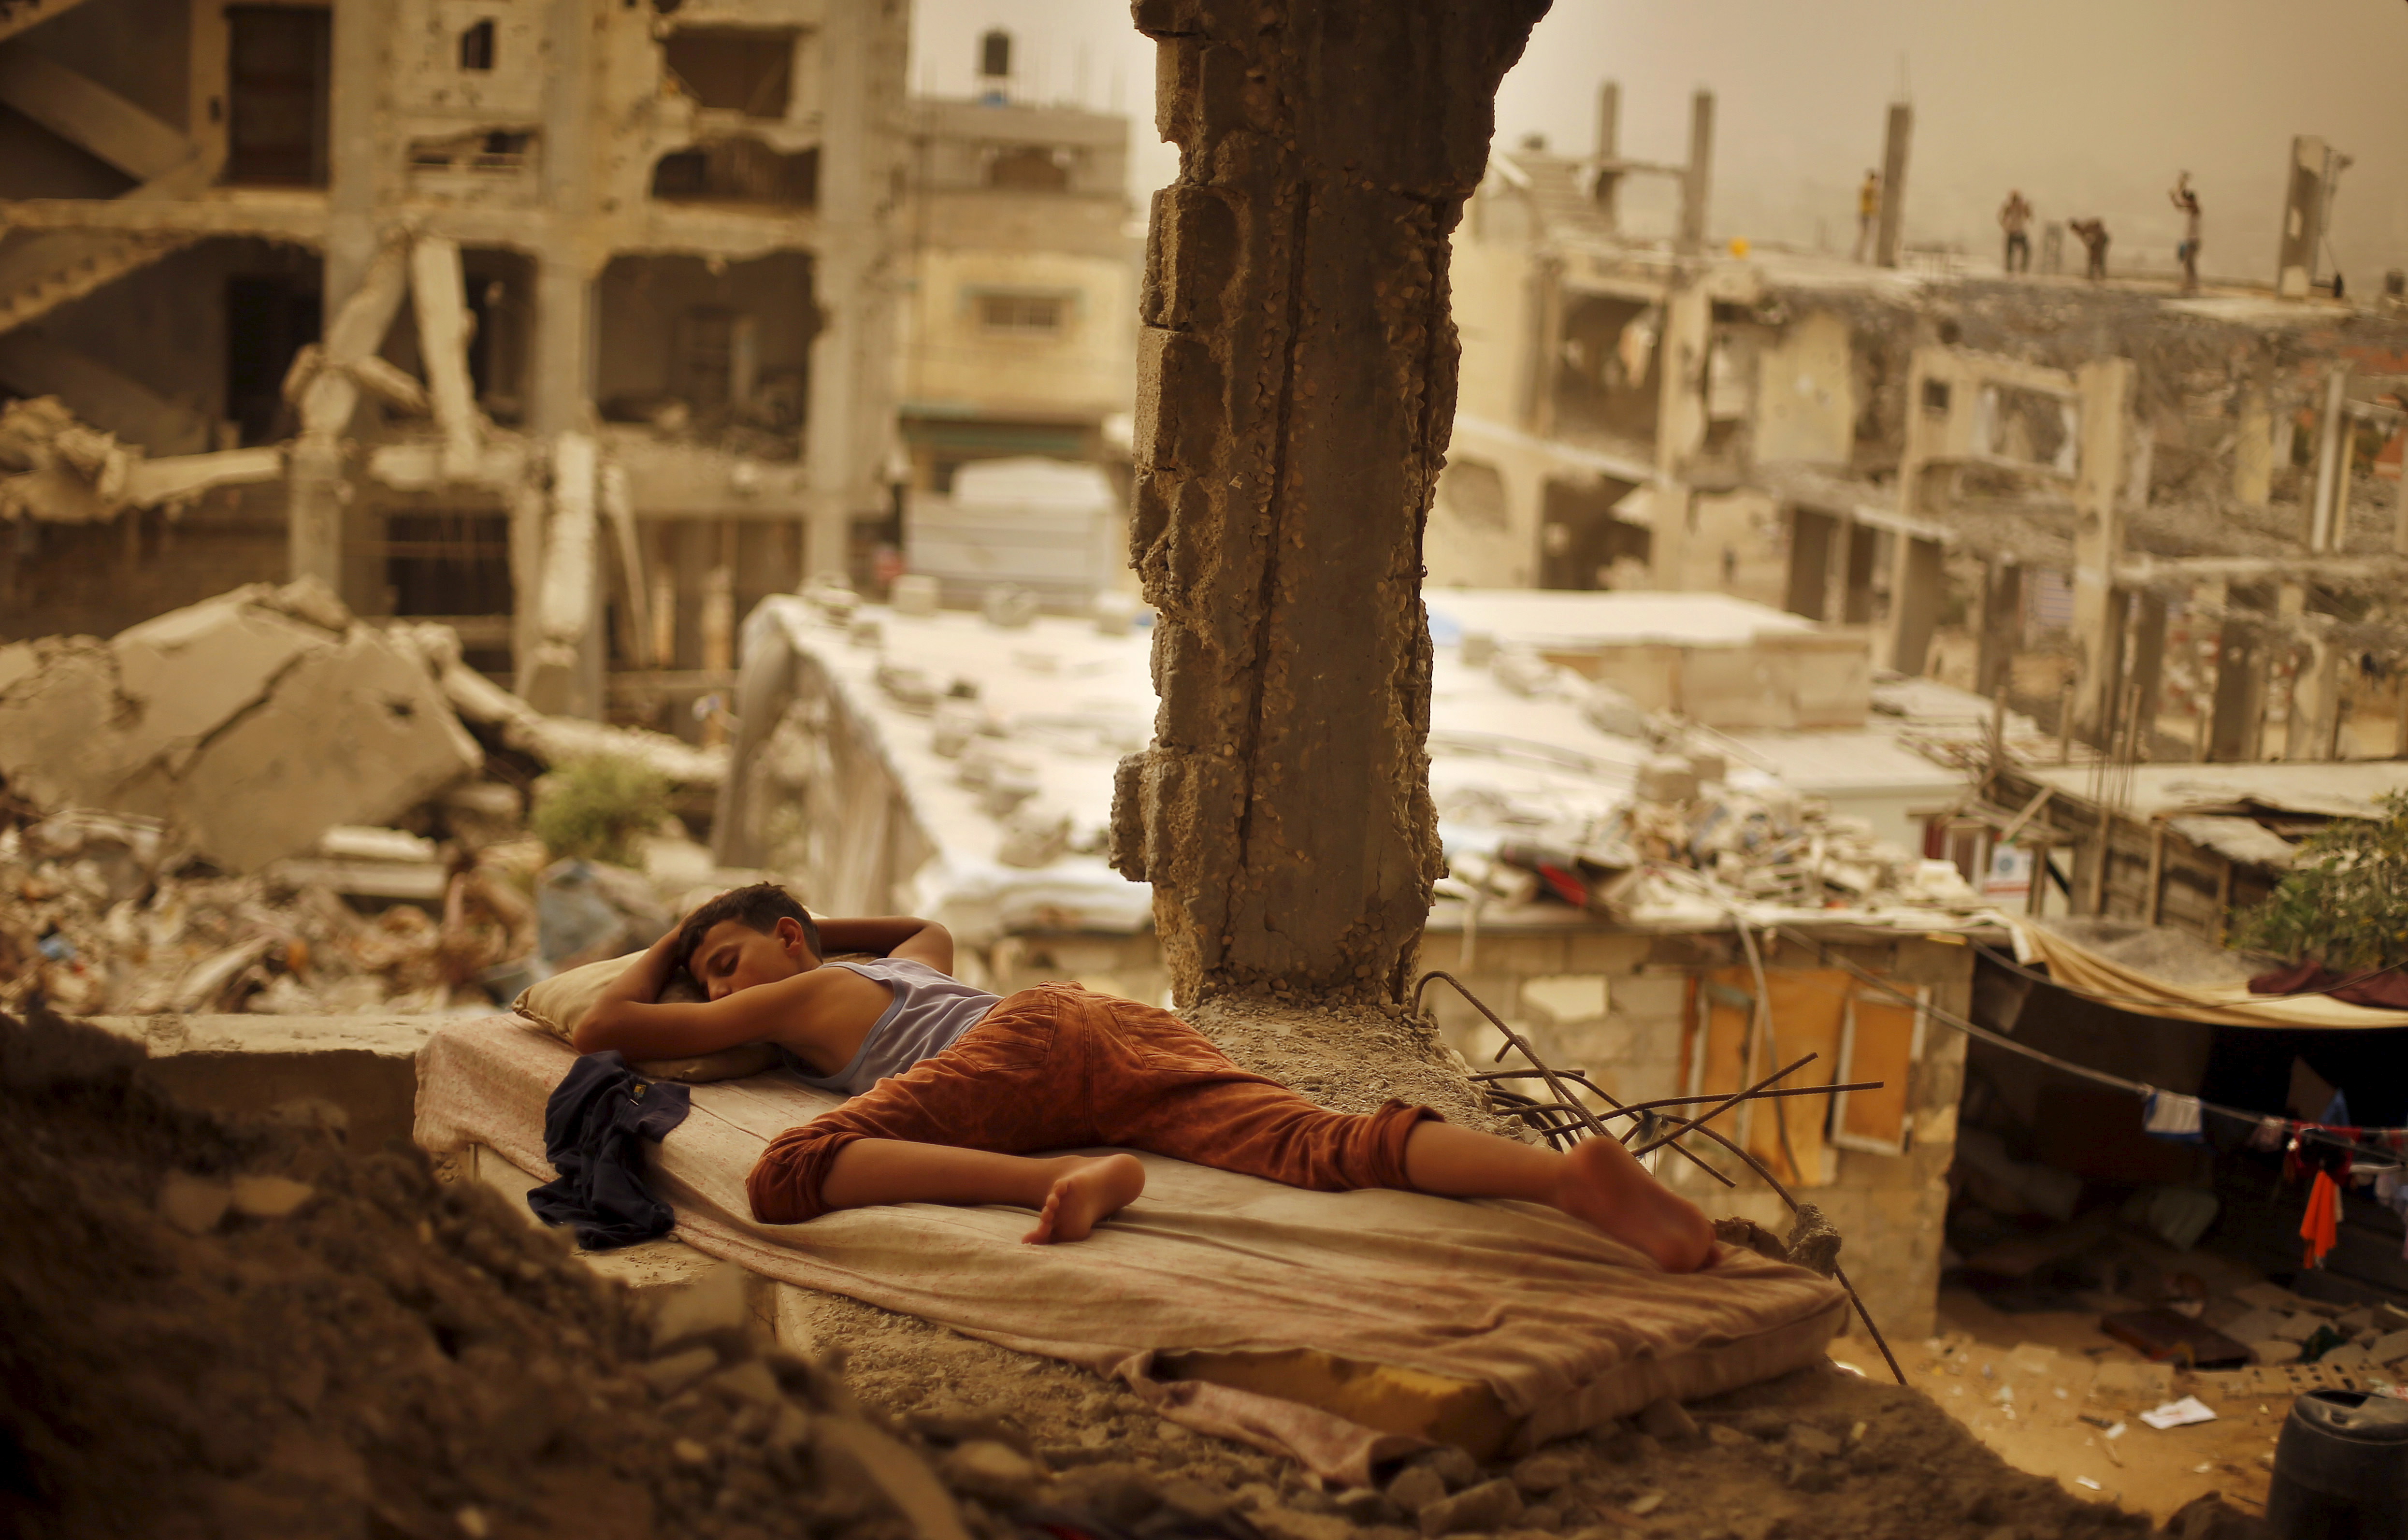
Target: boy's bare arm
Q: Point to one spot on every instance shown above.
(629, 1018)
(891, 935)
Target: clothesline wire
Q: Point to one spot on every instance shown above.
(2018, 969)
(2065, 1066)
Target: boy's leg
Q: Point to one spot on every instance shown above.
(1071, 1194)
(951, 1129)
(1597, 1182)
(1163, 1087)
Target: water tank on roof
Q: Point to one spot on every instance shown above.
(1050, 526)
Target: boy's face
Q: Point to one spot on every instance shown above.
(734, 956)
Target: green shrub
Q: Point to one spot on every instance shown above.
(593, 809)
(2345, 903)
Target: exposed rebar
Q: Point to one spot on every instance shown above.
(1576, 1119)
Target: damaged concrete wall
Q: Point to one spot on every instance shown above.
(1625, 1010)
(1295, 383)
(252, 723)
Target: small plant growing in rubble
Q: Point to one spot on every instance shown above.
(2344, 902)
(593, 809)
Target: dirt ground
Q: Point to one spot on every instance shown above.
(248, 1332)
(2049, 1366)
(210, 1331)
(1818, 1453)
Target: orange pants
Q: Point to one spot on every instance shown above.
(1062, 1067)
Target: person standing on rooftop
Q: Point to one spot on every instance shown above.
(2093, 235)
(2015, 217)
(2186, 201)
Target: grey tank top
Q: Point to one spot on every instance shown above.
(931, 1009)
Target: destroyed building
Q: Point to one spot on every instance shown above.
(1018, 350)
(2168, 522)
(1019, 323)
(569, 326)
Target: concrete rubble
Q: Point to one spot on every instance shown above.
(251, 722)
(262, 804)
(1676, 832)
(57, 469)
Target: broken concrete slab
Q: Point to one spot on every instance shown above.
(352, 735)
(251, 722)
(58, 711)
(187, 673)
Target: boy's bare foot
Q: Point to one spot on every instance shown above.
(1604, 1184)
(1089, 1191)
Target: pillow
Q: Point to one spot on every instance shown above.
(559, 1004)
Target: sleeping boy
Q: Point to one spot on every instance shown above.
(953, 1089)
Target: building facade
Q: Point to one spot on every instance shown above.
(1019, 323)
(566, 321)
(2166, 525)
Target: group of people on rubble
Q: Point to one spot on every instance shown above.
(2015, 217)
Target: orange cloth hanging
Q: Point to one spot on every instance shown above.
(2323, 1219)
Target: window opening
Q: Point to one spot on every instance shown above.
(1029, 169)
(1031, 315)
(277, 77)
(731, 69)
(477, 46)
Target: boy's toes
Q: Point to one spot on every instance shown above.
(1043, 1234)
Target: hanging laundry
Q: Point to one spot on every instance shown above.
(2320, 1227)
(2270, 1134)
(2169, 1115)
(2336, 1110)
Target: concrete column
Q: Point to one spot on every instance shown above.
(1680, 428)
(1814, 540)
(1696, 181)
(560, 386)
(1296, 387)
(1546, 281)
(2002, 626)
(2303, 209)
(1894, 144)
(1607, 192)
(1853, 598)
(2328, 505)
(2312, 732)
(851, 411)
(1919, 579)
(2144, 664)
(318, 492)
(356, 172)
(2253, 444)
(2098, 544)
(564, 673)
(2236, 733)
(560, 383)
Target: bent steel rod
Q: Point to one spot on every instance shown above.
(1555, 1082)
(1730, 1102)
(1569, 1107)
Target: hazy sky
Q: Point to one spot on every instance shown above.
(2090, 106)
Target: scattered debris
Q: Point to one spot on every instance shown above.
(250, 724)
(2179, 1414)
(260, 802)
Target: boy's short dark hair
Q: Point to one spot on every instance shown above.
(759, 907)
